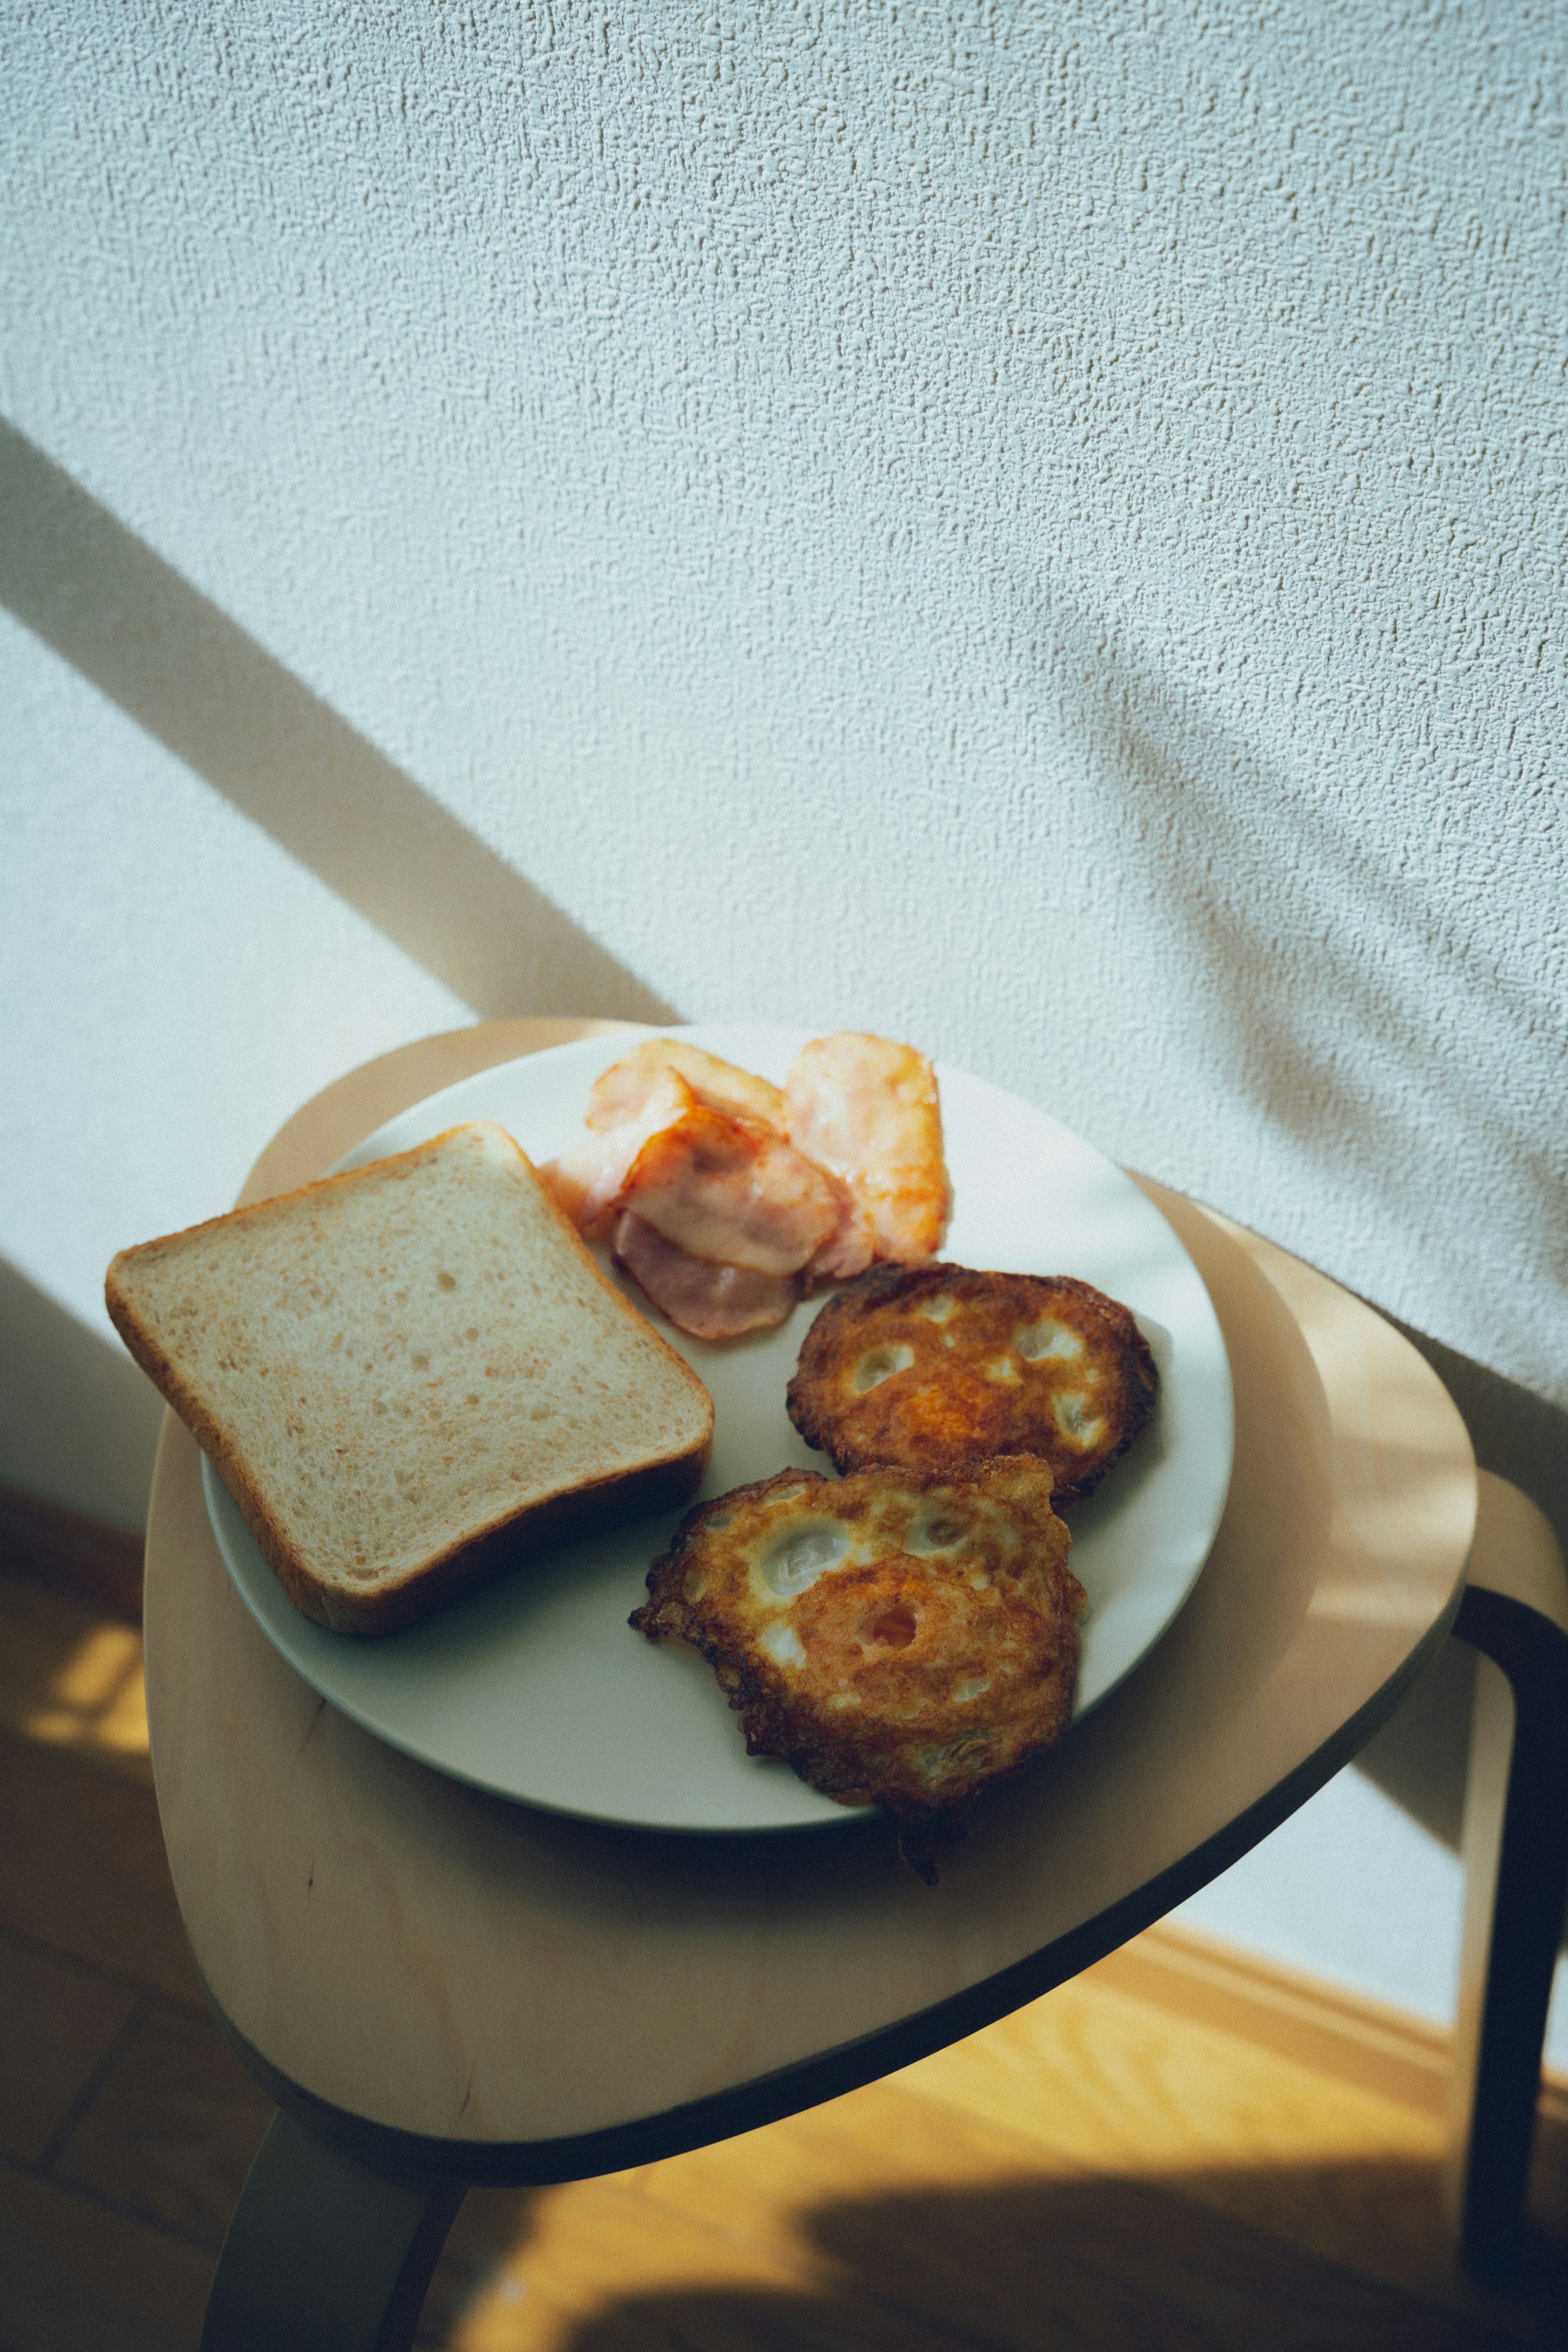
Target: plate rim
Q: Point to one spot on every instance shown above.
(1219, 1451)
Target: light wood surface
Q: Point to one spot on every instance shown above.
(451, 1966)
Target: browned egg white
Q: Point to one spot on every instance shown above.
(900, 1641)
(932, 1367)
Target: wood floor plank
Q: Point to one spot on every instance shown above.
(521, 2269)
(78, 2279)
(593, 2248)
(1324, 2026)
(883, 2141)
(1112, 2084)
(82, 1870)
(1001, 2267)
(1119, 2264)
(889, 2143)
(1107, 2080)
(58, 2022)
(71, 1677)
(172, 2131)
(883, 2203)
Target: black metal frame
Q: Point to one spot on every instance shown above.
(1498, 2058)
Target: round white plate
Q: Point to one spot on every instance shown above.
(537, 1688)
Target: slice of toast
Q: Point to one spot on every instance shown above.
(412, 1375)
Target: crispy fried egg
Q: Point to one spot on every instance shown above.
(900, 1640)
(933, 1367)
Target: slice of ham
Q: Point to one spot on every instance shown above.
(867, 1109)
(732, 1191)
(588, 1182)
(711, 1302)
(622, 1090)
(849, 1248)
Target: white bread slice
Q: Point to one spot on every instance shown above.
(410, 1375)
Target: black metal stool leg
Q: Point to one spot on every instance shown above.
(323, 2254)
(1515, 1612)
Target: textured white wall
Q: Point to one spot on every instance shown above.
(1036, 528)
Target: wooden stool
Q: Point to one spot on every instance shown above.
(441, 1988)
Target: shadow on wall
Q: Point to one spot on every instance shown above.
(78, 1422)
(1253, 880)
(1220, 847)
(1325, 971)
(111, 607)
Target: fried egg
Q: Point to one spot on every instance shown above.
(935, 1367)
(900, 1640)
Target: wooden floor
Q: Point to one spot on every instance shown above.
(1095, 2173)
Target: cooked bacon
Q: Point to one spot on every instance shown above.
(711, 1302)
(728, 1198)
(588, 1182)
(731, 1191)
(867, 1109)
(849, 1248)
(621, 1091)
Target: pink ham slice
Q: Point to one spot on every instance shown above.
(730, 1190)
(588, 1182)
(849, 1248)
(624, 1089)
(711, 1302)
(724, 1218)
(867, 1109)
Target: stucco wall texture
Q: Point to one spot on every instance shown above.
(1039, 529)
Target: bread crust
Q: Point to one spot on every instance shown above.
(659, 1482)
(922, 1366)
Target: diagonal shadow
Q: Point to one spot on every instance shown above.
(1202, 817)
(1201, 2262)
(1201, 821)
(106, 602)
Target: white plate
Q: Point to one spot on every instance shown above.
(537, 1688)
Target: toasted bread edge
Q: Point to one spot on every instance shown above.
(660, 1485)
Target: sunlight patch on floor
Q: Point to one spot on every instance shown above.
(68, 1678)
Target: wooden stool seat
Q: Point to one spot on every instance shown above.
(440, 1985)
